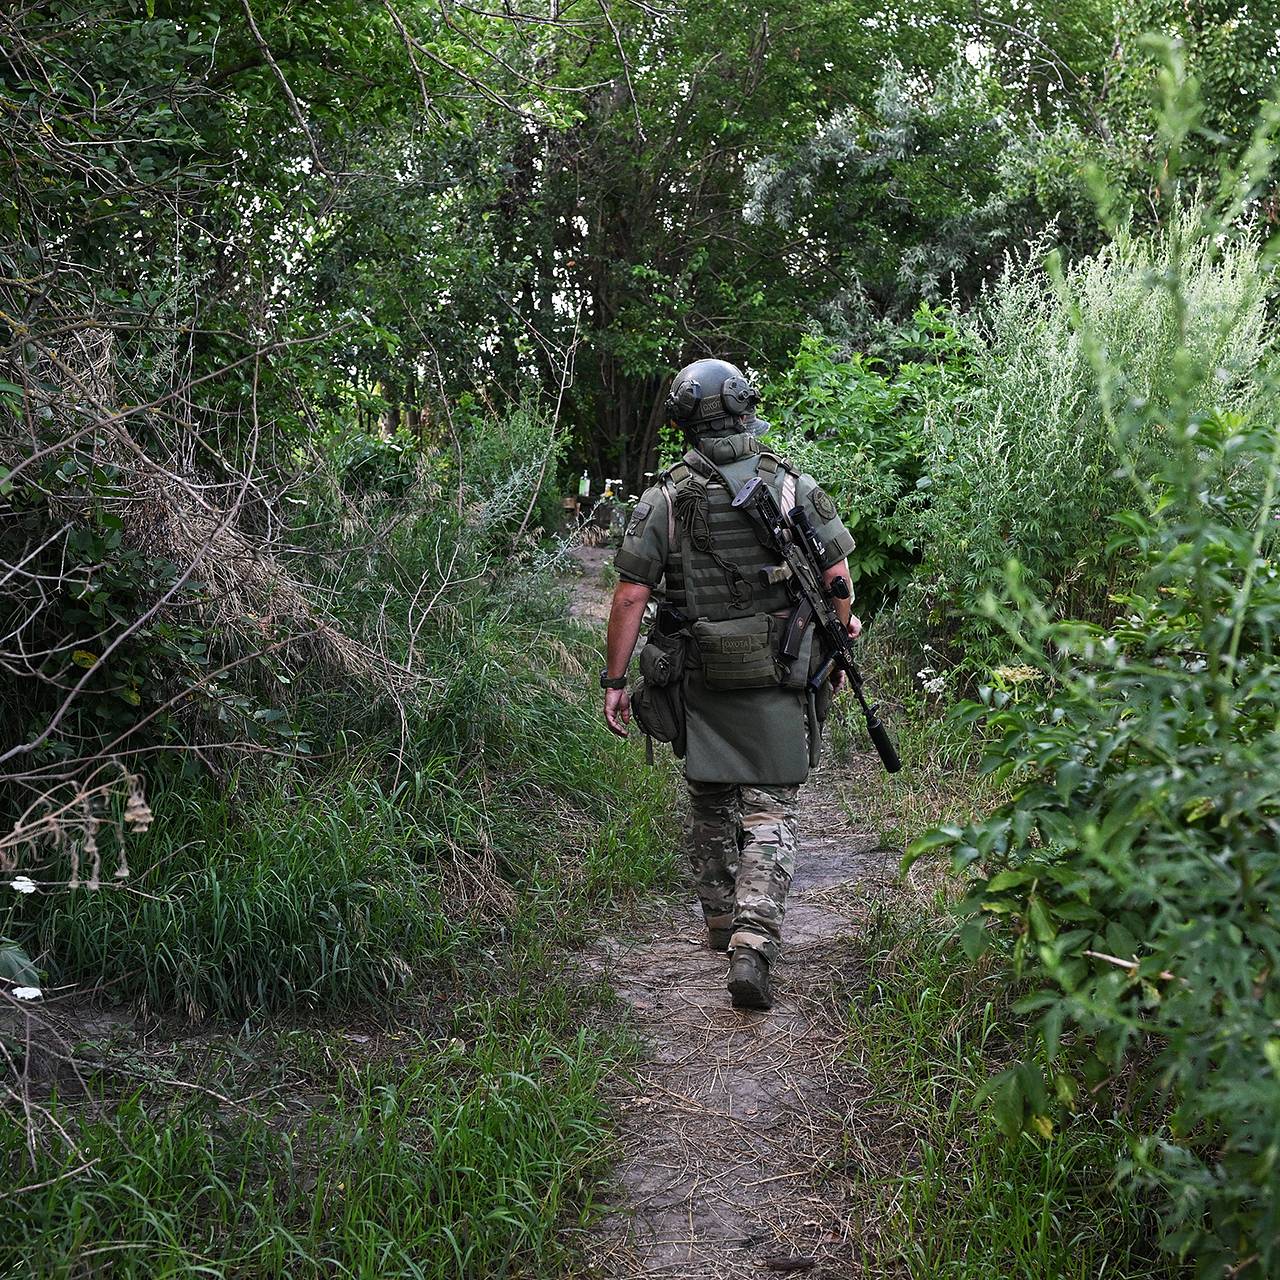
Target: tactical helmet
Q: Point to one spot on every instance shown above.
(709, 396)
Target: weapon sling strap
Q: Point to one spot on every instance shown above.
(769, 465)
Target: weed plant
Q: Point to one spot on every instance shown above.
(962, 1201)
(1029, 468)
(1130, 878)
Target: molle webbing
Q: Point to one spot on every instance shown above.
(735, 541)
(693, 517)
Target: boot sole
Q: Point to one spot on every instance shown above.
(746, 995)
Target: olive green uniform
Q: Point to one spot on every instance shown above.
(747, 749)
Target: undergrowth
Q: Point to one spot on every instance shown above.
(951, 1195)
(460, 1142)
(415, 1089)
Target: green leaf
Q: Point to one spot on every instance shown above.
(938, 838)
(1010, 878)
(1041, 921)
(974, 938)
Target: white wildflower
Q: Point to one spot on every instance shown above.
(27, 993)
(22, 884)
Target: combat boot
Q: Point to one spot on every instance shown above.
(718, 939)
(749, 980)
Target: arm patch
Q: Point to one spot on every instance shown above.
(639, 517)
(822, 503)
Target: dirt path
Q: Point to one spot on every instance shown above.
(738, 1127)
(737, 1130)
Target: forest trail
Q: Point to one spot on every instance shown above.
(740, 1130)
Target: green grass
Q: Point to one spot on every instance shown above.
(968, 1203)
(470, 1149)
(375, 958)
(518, 815)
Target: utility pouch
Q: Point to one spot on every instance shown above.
(663, 658)
(739, 652)
(657, 701)
(794, 673)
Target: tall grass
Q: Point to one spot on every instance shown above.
(963, 1201)
(1028, 467)
(391, 1077)
(471, 1151)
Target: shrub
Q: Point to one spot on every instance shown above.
(860, 425)
(1131, 878)
(1028, 468)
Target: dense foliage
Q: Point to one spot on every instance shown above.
(1129, 877)
(307, 313)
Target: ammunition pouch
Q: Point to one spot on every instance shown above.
(657, 701)
(739, 652)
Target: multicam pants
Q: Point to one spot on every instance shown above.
(742, 844)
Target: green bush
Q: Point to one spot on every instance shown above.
(1131, 879)
(1027, 468)
(929, 1025)
(394, 820)
(861, 425)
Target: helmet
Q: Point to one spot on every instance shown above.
(708, 395)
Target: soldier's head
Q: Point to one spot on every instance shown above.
(712, 398)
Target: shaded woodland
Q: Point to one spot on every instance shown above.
(310, 315)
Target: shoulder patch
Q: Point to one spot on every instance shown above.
(822, 503)
(639, 517)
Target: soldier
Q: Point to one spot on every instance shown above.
(752, 727)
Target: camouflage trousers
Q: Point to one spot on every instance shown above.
(742, 845)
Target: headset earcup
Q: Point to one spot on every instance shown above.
(738, 395)
(683, 401)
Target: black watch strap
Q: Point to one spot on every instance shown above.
(612, 682)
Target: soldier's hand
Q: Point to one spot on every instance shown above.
(617, 710)
(855, 630)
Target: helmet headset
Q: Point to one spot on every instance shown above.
(705, 393)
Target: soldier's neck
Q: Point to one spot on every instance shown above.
(723, 449)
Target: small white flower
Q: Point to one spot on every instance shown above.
(22, 884)
(27, 993)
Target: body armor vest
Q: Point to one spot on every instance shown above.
(697, 583)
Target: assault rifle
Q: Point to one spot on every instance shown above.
(796, 541)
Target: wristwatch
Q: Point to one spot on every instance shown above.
(613, 682)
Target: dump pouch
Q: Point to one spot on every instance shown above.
(663, 658)
(657, 701)
(739, 652)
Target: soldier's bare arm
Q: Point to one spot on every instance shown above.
(844, 610)
(625, 616)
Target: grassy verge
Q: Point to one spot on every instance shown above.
(362, 1055)
(946, 1193)
(949, 1195)
(463, 1147)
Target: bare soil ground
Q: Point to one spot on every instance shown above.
(739, 1129)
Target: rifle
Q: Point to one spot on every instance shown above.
(796, 541)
